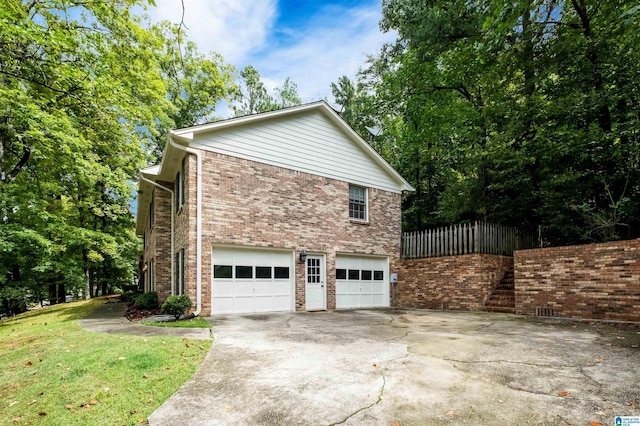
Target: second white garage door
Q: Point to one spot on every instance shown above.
(250, 280)
(362, 282)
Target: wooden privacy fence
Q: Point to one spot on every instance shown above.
(478, 237)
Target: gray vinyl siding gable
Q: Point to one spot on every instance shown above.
(307, 142)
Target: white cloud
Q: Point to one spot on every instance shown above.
(235, 29)
(336, 43)
(333, 43)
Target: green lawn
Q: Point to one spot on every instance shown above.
(55, 373)
(197, 322)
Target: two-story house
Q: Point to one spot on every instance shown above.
(287, 210)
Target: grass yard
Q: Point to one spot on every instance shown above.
(53, 372)
(197, 322)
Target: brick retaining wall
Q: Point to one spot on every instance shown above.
(451, 282)
(596, 281)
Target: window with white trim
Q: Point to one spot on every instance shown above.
(152, 276)
(179, 187)
(357, 203)
(179, 272)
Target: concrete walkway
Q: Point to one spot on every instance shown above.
(109, 318)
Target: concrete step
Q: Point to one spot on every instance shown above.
(503, 297)
(502, 309)
(503, 292)
(501, 304)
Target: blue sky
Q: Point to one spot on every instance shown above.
(312, 42)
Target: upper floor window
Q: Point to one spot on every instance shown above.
(179, 185)
(357, 202)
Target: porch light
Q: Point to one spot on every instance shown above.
(303, 256)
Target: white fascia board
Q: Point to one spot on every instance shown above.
(188, 132)
(151, 171)
(144, 189)
(171, 158)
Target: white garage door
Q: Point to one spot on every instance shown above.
(249, 280)
(362, 282)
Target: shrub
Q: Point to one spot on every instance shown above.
(176, 305)
(148, 300)
(133, 288)
(130, 296)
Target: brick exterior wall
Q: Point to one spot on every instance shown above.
(250, 204)
(596, 281)
(158, 243)
(185, 228)
(451, 282)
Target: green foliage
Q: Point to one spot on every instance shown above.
(130, 296)
(87, 96)
(176, 305)
(358, 108)
(148, 300)
(254, 98)
(194, 83)
(524, 113)
(75, 88)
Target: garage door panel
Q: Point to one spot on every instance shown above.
(242, 288)
(243, 304)
(281, 288)
(223, 288)
(366, 287)
(251, 280)
(352, 287)
(366, 300)
(222, 305)
(361, 282)
(262, 288)
(281, 303)
(378, 287)
(379, 300)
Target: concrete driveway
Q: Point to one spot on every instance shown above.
(412, 367)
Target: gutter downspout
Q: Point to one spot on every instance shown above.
(198, 223)
(173, 274)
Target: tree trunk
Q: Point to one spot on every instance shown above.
(53, 299)
(604, 114)
(62, 294)
(87, 281)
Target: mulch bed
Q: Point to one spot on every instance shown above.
(134, 314)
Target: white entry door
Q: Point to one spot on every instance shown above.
(315, 289)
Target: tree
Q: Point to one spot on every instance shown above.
(194, 82)
(357, 107)
(254, 98)
(521, 113)
(78, 82)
